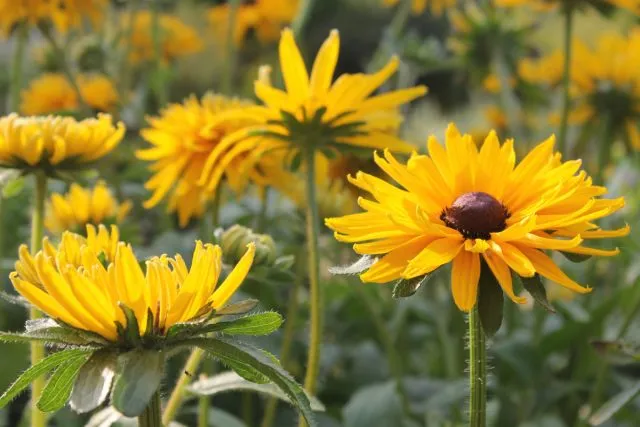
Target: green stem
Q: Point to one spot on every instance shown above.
(151, 415)
(232, 60)
(22, 36)
(125, 70)
(300, 22)
(261, 220)
(477, 371)
(159, 83)
(38, 419)
(177, 395)
(313, 231)
(287, 341)
(566, 78)
(247, 407)
(203, 408)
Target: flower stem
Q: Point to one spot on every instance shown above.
(203, 408)
(151, 415)
(16, 69)
(313, 231)
(177, 395)
(302, 17)
(125, 70)
(38, 419)
(231, 62)
(566, 78)
(158, 83)
(477, 371)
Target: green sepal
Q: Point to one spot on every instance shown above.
(536, 288)
(233, 353)
(404, 288)
(130, 333)
(577, 258)
(139, 376)
(44, 366)
(253, 324)
(94, 382)
(58, 389)
(490, 301)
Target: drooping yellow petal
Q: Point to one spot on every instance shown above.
(465, 273)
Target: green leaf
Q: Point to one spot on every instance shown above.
(357, 267)
(138, 379)
(131, 331)
(58, 388)
(490, 301)
(254, 324)
(534, 286)
(15, 299)
(45, 365)
(55, 335)
(577, 258)
(231, 352)
(376, 405)
(94, 382)
(240, 307)
(406, 287)
(231, 381)
(616, 403)
(13, 187)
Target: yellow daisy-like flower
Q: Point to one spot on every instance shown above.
(80, 206)
(54, 143)
(177, 38)
(265, 17)
(313, 111)
(52, 92)
(631, 5)
(437, 7)
(89, 296)
(184, 139)
(464, 205)
(65, 14)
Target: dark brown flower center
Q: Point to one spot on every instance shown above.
(475, 215)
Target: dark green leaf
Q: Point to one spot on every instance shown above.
(254, 324)
(406, 287)
(357, 267)
(45, 365)
(94, 382)
(536, 288)
(138, 379)
(490, 301)
(241, 307)
(575, 257)
(232, 352)
(58, 388)
(609, 409)
(131, 330)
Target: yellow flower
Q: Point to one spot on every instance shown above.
(64, 14)
(466, 206)
(184, 139)
(265, 17)
(631, 5)
(79, 207)
(89, 296)
(52, 92)
(437, 7)
(313, 111)
(177, 38)
(54, 143)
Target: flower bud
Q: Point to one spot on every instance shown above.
(234, 243)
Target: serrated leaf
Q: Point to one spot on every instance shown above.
(616, 403)
(357, 267)
(536, 288)
(240, 307)
(94, 382)
(253, 359)
(58, 388)
(231, 381)
(138, 380)
(577, 258)
(490, 301)
(45, 365)
(56, 335)
(254, 324)
(406, 287)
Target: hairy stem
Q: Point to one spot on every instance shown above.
(177, 395)
(477, 371)
(231, 58)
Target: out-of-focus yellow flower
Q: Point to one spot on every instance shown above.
(548, 69)
(64, 14)
(54, 143)
(89, 295)
(437, 7)
(631, 5)
(265, 17)
(492, 83)
(80, 206)
(177, 38)
(184, 138)
(52, 93)
(464, 205)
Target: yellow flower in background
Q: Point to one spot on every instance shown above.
(52, 93)
(53, 143)
(466, 206)
(80, 206)
(631, 5)
(265, 17)
(177, 38)
(64, 14)
(437, 7)
(315, 110)
(548, 69)
(88, 296)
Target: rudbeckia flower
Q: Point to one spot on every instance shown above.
(468, 207)
(437, 7)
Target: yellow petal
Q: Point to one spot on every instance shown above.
(234, 279)
(502, 273)
(438, 252)
(547, 268)
(465, 273)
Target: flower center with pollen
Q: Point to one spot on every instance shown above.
(475, 215)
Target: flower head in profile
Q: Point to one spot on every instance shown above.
(52, 93)
(265, 17)
(437, 7)
(80, 206)
(177, 38)
(53, 143)
(475, 207)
